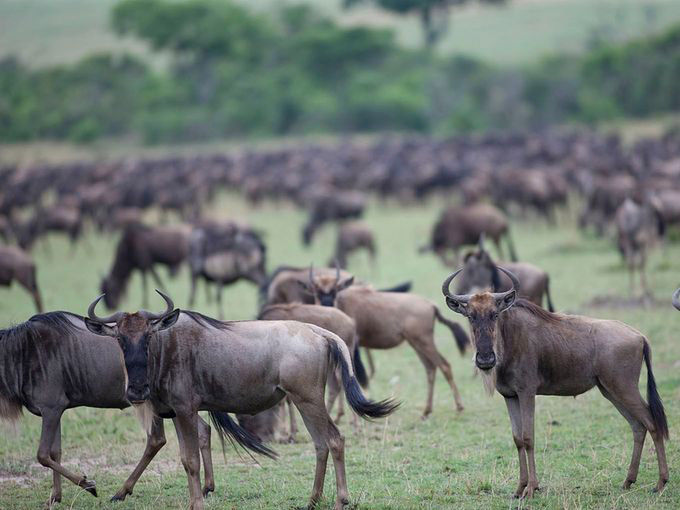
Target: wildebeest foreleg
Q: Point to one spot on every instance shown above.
(204, 445)
(192, 289)
(186, 425)
(55, 453)
(220, 311)
(516, 423)
(156, 278)
(145, 290)
(293, 421)
(51, 422)
(527, 406)
(154, 442)
(369, 357)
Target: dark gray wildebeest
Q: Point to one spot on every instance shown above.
(459, 226)
(638, 227)
(676, 299)
(184, 362)
(385, 320)
(16, 264)
(51, 363)
(480, 273)
(352, 236)
(141, 247)
(224, 253)
(524, 351)
(331, 205)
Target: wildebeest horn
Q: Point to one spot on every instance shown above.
(170, 306)
(447, 291)
(104, 320)
(311, 273)
(513, 279)
(337, 273)
(676, 299)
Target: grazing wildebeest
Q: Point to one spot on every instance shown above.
(224, 254)
(463, 225)
(480, 272)
(140, 247)
(638, 227)
(183, 362)
(352, 236)
(51, 363)
(524, 351)
(16, 264)
(330, 205)
(385, 320)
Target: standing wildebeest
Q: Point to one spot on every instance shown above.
(140, 247)
(353, 235)
(463, 225)
(283, 285)
(386, 319)
(239, 366)
(51, 364)
(64, 218)
(16, 264)
(524, 351)
(638, 227)
(332, 205)
(225, 253)
(480, 273)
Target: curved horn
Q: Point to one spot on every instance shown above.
(513, 279)
(337, 273)
(676, 299)
(447, 291)
(103, 320)
(311, 273)
(170, 306)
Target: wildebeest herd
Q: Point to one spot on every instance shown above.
(316, 326)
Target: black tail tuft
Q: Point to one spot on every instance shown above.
(653, 399)
(402, 287)
(459, 334)
(226, 427)
(364, 407)
(360, 369)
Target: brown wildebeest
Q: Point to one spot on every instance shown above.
(183, 362)
(140, 247)
(480, 273)
(638, 227)
(63, 217)
(16, 264)
(51, 364)
(524, 351)
(352, 236)
(463, 225)
(386, 319)
(283, 285)
(676, 299)
(331, 205)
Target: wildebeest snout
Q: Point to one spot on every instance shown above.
(485, 361)
(136, 395)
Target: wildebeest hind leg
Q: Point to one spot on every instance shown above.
(333, 392)
(204, 445)
(51, 419)
(55, 453)
(186, 425)
(154, 442)
(430, 370)
(445, 367)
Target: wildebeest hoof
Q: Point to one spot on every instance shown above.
(207, 491)
(460, 408)
(89, 485)
(529, 491)
(660, 486)
(628, 483)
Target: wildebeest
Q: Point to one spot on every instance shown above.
(51, 363)
(352, 236)
(480, 272)
(283, 285)
(140, 247)
(524, 351)
(64, 218)
(386, 319)
(16, 264)
(638, 226)
(224, 253)
(331, 205)
(458, 226)
(676, 299)
(183, 362)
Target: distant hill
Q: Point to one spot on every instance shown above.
(55, 31)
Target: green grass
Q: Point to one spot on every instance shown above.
(452, 460)
(45, 32)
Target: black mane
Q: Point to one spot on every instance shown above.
(537, 311)
(204, 320)
(59, 321)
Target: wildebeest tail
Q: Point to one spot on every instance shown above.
(357, 400)
(360, 369)
(653, 399)
(551, 308)
(402, 287)
(459, 334)
(226, 427)
(511, 246)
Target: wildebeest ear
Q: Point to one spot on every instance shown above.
(505, 302)
(166, 321)
(100, 329)
(345, 284)
(457, 306)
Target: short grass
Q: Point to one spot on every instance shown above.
(44, 32)
(452, 460)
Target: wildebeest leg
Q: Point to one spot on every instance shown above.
(369, 357)
(145, 290)
(155, 440)
(192, 289)
(293, 421)
(208, 295)
(51, 420)
(156, 278)
(206, 453)
(55, 453)
(527, 406)
(186, 425)
(333, 392)
(445, 367)
(516, 423)
(430, 370)
(499, 248)
(220, 311)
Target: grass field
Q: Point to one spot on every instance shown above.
(46, 32)
(452, 460)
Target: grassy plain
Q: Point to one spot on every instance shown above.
(452, 460)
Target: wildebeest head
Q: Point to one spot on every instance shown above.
(133, 332)
(482, 310)
(325, 288)
(676, 299)
(112, 290)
